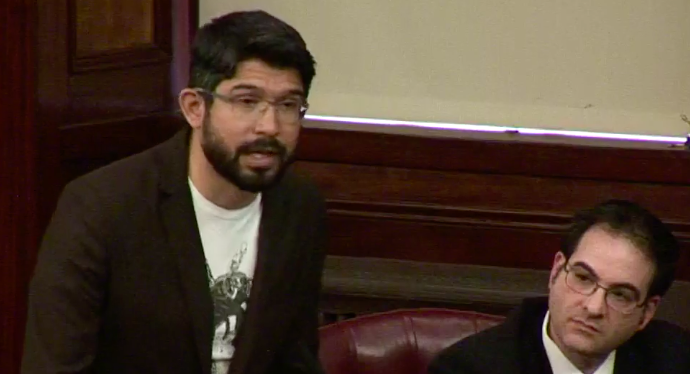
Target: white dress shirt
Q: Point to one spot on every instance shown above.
(560, 364)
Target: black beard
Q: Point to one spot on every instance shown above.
(227, 164)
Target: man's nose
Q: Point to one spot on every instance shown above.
(267, 122)
(596, 302)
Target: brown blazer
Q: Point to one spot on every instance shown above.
(121, 284)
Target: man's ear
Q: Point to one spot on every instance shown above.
(193, 107)
(558, 264)
(649, 311)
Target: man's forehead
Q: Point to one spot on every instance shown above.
(263, 76)
(612, 257)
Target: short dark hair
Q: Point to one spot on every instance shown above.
(220, 45)
(647, 232)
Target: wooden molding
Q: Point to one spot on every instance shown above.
(364, 285)
(116, 138)
(461, 284)
(501, 201)
(120, 59)
(158, 50)
(576, 158)
(443, 214)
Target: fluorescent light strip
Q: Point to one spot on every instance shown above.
(492, 128)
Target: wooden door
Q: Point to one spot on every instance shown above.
(108, 72)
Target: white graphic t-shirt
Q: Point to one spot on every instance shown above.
(229, 238)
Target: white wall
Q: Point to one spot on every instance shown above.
(603, 65)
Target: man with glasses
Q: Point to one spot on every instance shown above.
(203, 254)
(617, 262)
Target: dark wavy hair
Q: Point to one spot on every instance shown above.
(220, 45)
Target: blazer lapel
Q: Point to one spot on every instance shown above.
(532, 355)
(183, 235)
(273, 280)
(179, 221)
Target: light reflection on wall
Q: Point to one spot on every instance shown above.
(674, 140)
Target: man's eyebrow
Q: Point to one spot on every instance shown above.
(295, 92)
(589, 269)
(245, 86)
(586, 267)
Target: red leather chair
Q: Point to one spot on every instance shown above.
(396, 342)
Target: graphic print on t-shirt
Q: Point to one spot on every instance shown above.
(230, 294)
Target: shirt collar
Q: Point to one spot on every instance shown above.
(560, 364)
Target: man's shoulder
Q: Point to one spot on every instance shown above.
(478, 352)
(503, 335)
(660, 333)
(500, 348)
(298, 187)
(129, 175)
(661, 345)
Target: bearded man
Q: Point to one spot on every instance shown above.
(127, 266)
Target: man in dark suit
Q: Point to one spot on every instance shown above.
(617, 262)
(203, 254)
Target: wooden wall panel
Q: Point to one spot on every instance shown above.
(494, 191)
(109, 25)
(356, 285)
(123, 93)
(489, 201)
(496, 202)
(108, 34)
(500, 154)
(120, 58)
(461, 217)
(115, 67)
(18, 171)
(437, 242)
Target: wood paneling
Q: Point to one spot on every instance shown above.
(111, 25)
(487, 202)
(112, 80)
(501, 154)
(112, 34)
(121, 59)
(354, 285)
(18, 167)
(495, 191)
(474, 223)
(122, 93)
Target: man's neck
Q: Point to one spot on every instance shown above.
(211, 185)
(587, 364)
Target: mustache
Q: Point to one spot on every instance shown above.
(263, 145)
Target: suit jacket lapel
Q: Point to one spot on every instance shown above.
(272, 284)
(184, 238)
(532, 354)
(179, 221)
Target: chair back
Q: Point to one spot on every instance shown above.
(397, 342)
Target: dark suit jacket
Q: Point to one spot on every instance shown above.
(516, 347)
(121, 283)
